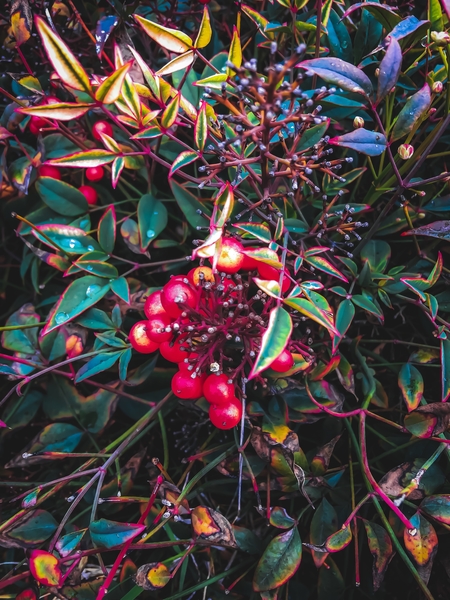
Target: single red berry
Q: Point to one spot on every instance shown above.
(102, 127)
(267, 272)
(175, 294)
(156, 328)
(175, 352)
(49, 171)
(89, 193)
(139, 339)
(217, 390)
(226, 416)
(153, 305)
(36, 124)
(200, 274)
(95, 173)
(186, 387)
(283, 362)
(231, 258)
(250, 264)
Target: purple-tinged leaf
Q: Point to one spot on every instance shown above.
(371, 143)
(410, 382)
(382, 13)
(415, 108)
(437, 229)
(408, 26)
(339, 73)
(390, 68)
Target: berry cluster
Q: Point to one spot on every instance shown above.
(211, 323)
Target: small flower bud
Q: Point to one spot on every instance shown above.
(440, 38)
(358, 122)
(405, 151)
(438, 86)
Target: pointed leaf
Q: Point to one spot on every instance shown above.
(211, 526)
(380, 547)
(107, 230)
(61, 111)
(184, 158)
(390, 68)
(21, 21)
(280, 518)
(110, 90)
(324, 522)
(344, 318)
(339, 73)
(69, 542)
(189, 205)
(410, 382)
(274, 340)
(85, 159)
(362, 140)
(205, 32)
(318, 262)
(422, 544)
(415, 108)
(213, 81)
(279, 562)
(307, 308)
(438, 507)
(224, 200)
(256, 230)
(339, 540)
(108, 534)
(121, 288)
(97, 364)
(170, 114)
(63, 198)
(170, 39)
(445, 369)
(312, 136)
(183, 61)
(235, 53)
(64, 62)
(152, 219)
(201, 127)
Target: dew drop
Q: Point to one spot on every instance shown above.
(92, 290)
(89, 268)
(74, 244)
(150, 233)
(90, 248)
(61, 318)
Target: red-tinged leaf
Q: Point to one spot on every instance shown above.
(80, 295)
(212, 527)
(110, 90)
(235, 53)
(181, 62)
(69, 542)
(415, 108)
(371, 143)
(256, 230)
(201, 127)
(265, 255)
(170, 39)
(257, 18)
(64, 62)
(54, 260)
(205, 32)
(61, 111)
(445, 369)
(307, 308)
(437, 229)
(152, 219)
(339, 540)
(421, 544)
(410, 382)
(85, 159)
(280, 561)
(339, 73)
(274, 341)
(108, 534)
(21, 21)
(438, 507)
(225, 201)
(318, 262)
(170, 114)
(28, 594)
(107, 230)
(322, 369)
(390, 68)
(380, 547)
(45, 568)
(147, 134)
(280, 518)
(344, 318)
(185, 158)
(152, 577)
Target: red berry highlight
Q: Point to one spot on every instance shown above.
(102, 127)
(139, 339)
(89, 193)
(226, 416)
(153, 305)
(156, 328)
(95, 173)
(283, 362)
(175, 294)
(231, 258)
(217, 390)
(186, 387)
(36, 124)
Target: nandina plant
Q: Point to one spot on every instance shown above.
(224, 245)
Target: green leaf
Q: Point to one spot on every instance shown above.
(152, 219)
(23, 410)
(445, 369)
(108, 534)
(184, 158)
(279, 562)
(213, 81)
(201, 127)
(37, 527)
(98, 364)
(339, 540)
(170, 39)
(390, 68)
(338, 37)
(367, 304)
(274, 340)
(339, 73)
(382, 12)
(65, 237)
(410, 382)
(63, 198)
(97, 267)
(189, 205)
(323, 524)
(22, 340)
(344, 318)
(80, 295)
(415, 108)
(307, 308)
(256, 230)
(377, 253)
(312, 136)
(438, 507)
(170, 113)
(121, 288)
(280, 518)
(435, 15)
(85, 159)
(61, 111)
(69, 542)
(380, 547)
(124, 361)
(224, 201)
(318, 262)
(330, 585)
(109, 91)
(107, 230)
(367, 36)
(235, 53)
(95, 318)
(362, 140)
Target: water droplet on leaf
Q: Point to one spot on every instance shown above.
(92, 290)
(61, 317)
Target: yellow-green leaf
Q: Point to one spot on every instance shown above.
(110, 89)
(235, 54)
(170, 39)
(89, 158)
(178, 63)
(185, 158)
(61, 111)
(171, 112)
(274, 340)
(149, 76)
(201, 127)
(64, 62)
(205, 32)
(310, 310)
(225, 199)
(213, 81)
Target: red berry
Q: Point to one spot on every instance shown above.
(49, 171)
(89, 193)
(102, 127)
(186, 387)
(175, 294)
(226, 416)
(283, 362)
(217, 390)
(250, 264)
(267, 272)
(153, 305)
(36, 124)
(139, 339)
(173, 352)
(231, 258)
(198, 275)
(95, 173)
(156, 328)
